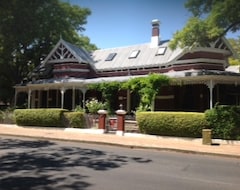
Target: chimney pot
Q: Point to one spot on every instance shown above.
(155, 33)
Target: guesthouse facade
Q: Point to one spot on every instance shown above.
(200, 75)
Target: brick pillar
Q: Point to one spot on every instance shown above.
(120, 122)
(102, 120)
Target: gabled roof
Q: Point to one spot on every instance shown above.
(79, 53)
(146, 57)
(140, 56)
(62, 52)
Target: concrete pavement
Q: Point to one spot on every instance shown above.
(131, 140)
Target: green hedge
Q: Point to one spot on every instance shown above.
(224, 121)
(75, 119)
(180, 124)
(39, 117)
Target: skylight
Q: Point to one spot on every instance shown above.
(110, 56)
(134, 54)
(161, 51)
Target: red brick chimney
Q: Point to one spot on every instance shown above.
(155, 33)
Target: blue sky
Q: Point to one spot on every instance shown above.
(115, 23)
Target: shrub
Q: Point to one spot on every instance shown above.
(75, 119)
(224, 121)
(39, 117)
(181, 124)
(79, 108)
(1, 116)
(94, 105)
(7, 116)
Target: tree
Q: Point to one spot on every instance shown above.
(210, 20)
(235, 43)
(28, 31)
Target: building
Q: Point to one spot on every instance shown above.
(62, 79)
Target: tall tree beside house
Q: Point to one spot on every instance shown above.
(235, 43)
(210, 20)
(28, 31)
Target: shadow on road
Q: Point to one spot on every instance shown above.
(28, 164)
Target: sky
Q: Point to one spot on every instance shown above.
(116, 23)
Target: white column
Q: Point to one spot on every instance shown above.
(84, 90)
(210, 84)
(62, 97)
(29, 98)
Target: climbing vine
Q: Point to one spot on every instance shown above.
(108, 90)
(147, 87)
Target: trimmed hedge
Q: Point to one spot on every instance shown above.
(75, 119)
(180, 124)
(49, 117)
(224, 121)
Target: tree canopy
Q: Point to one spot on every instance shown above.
(29, 30)
(210, 20)
(235, 43)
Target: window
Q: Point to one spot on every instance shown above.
(161, 51)
(110, 56)
(134, 54)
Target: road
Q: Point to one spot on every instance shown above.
(34, 164)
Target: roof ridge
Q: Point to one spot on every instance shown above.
(129, 46)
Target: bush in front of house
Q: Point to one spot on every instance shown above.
(179, 124)
(40, 117)
(224, 121)
(7, 116)
(75, 119)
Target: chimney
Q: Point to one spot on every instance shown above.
(155, 33)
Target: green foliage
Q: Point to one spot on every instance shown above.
(94, 105)
(28, 31)
(39, 117)
(79, 108)
(108, 90)
(1, 116)
(210, 20)
(75, 119)
(147, 87)
(192, 35)
(224, 121)
(235, 43)
(180, 124)
(7, 116)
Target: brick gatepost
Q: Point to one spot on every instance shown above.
(102, 120)
(120, 121)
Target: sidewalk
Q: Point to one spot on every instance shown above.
(131, 140)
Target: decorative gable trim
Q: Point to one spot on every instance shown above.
(62, 54)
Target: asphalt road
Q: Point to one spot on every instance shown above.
(28, 164)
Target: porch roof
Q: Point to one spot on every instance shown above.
(183, 77)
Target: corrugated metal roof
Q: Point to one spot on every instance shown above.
(146, 58)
